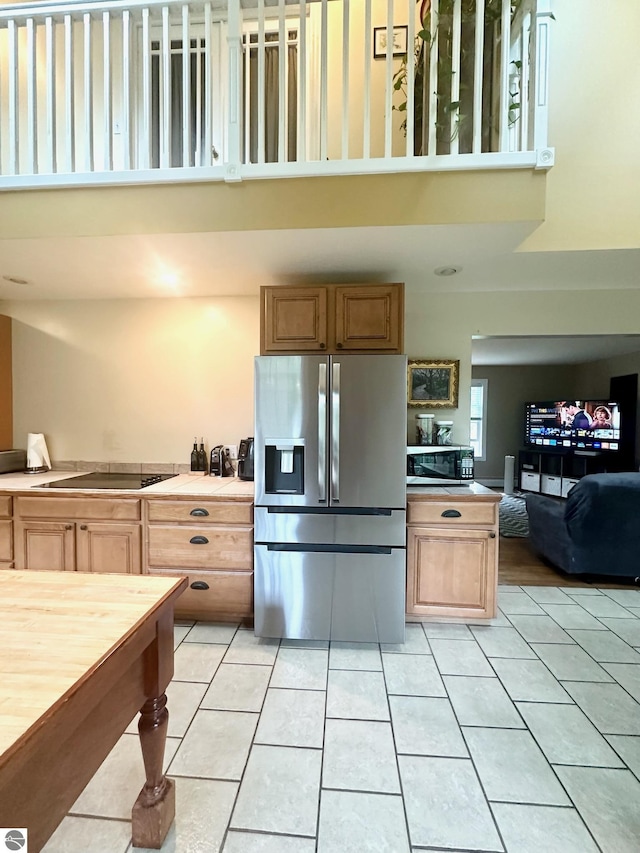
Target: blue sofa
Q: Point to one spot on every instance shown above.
(596, 530)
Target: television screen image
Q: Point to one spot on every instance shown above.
(592, 425)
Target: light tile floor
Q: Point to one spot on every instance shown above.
(520, 736)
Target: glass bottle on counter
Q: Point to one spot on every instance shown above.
(424, 429)
(202, 457)
(443, 432)
(194, 455)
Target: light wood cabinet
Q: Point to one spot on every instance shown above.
(211, 543)
(6, 393)
(6, 533)
(77, 534)
(452, 555)
(332, 319)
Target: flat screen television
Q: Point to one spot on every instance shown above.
(589, 425)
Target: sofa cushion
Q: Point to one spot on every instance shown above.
(548, 533)
(595, 531)
(603, 521)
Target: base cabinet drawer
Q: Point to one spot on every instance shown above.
(5, 507)
(453, 512)
(214, 595)
(76, 509)
(200, 512)
(218, 547)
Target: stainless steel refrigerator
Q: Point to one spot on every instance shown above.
(330, 497)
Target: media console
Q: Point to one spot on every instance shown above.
(555, 474)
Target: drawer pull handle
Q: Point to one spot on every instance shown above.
(199, 512)
(199, 540)
(83, 527)
(492, 535)
(199, 585)
(451, 513)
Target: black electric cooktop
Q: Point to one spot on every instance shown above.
(98, 480)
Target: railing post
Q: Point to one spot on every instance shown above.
(545, 156)
(234, 41)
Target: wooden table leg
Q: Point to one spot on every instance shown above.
(155, 807)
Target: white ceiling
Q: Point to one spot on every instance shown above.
(238, 262)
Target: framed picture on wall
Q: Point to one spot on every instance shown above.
(380, 47)
(433, 384)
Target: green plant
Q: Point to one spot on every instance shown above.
(453, 118)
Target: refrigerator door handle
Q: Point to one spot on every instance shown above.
(335, 433)
(329, 549)
(322, 433)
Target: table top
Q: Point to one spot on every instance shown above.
(56, 628)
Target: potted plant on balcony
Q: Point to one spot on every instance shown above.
(454, 118)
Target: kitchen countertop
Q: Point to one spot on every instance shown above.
(469, 491)
(201, 485)
(182, 485)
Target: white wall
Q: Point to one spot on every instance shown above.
(507, 390)
(134, 380)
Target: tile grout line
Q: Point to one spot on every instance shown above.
(544, 756)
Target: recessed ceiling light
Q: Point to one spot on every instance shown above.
(447, 270)
(14, 279)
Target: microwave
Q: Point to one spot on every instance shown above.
(439, 466)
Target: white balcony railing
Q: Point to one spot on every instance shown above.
(135, 91)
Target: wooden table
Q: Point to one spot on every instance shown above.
(80, 654)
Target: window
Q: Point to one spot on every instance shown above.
(477, 429)
(196, 102)
(270, 95)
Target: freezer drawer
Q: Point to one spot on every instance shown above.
(329, 595)
(348, 527)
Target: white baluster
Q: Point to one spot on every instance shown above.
(186, 88)
(478, 66)
(88, 92)
(366, 82)
(69, 95)
(345, 79)
(106, 80)
(126, 122)
(32, 113)
(454, 117)
(145, 141)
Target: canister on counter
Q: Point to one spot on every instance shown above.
(424, 429)
(443, 432)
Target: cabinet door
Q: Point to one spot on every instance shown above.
(6, 400)
(294, 319)
(6, 541)
(451, 572)
(44, 545)
(369, 318)
(108, 548)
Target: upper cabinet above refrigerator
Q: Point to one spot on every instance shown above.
(332, 318)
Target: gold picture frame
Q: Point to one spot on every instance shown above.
(433, 384)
